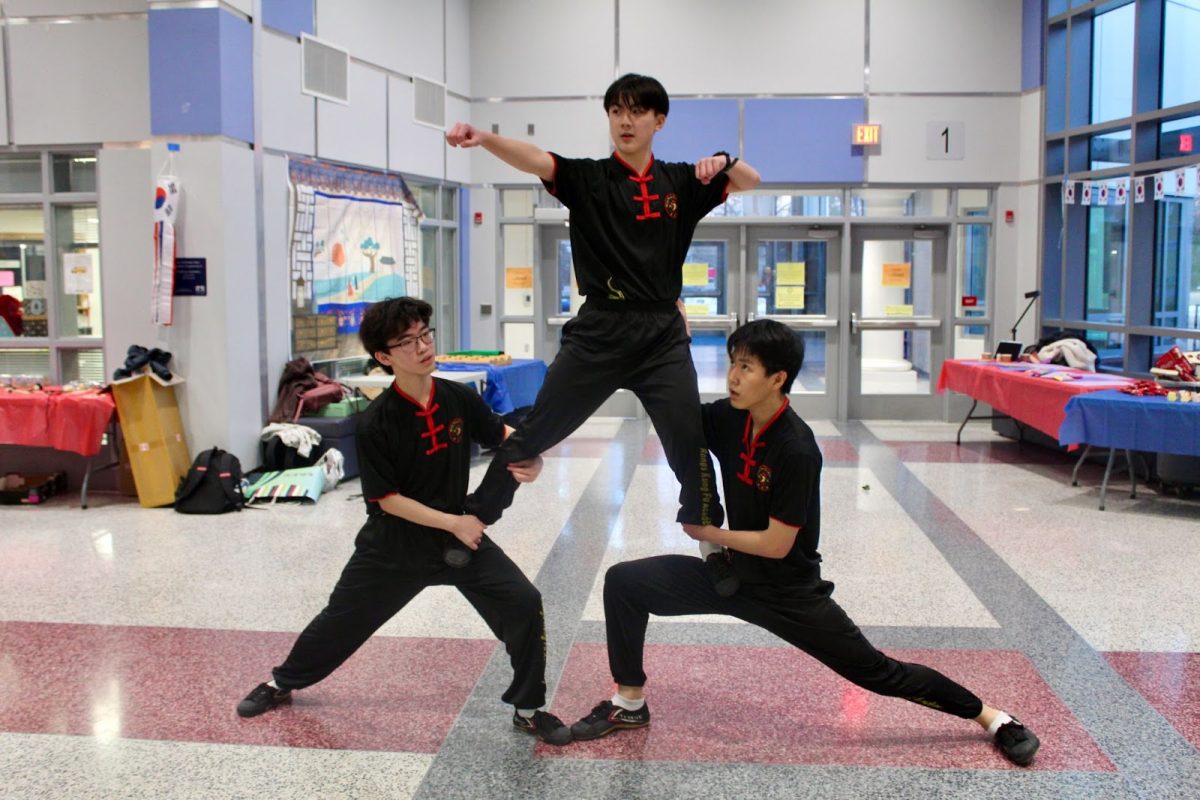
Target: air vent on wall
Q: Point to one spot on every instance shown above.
(429, 103)
(326, 70)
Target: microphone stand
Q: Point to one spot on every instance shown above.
(1033, 296)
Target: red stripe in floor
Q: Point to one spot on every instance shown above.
(182, 684)
(1170, 682)
(775, 705)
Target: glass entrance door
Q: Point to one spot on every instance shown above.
(795, 274)
(898, 289)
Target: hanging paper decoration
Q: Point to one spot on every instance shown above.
(1086, 198)
(1069, 193)
(1160, 186)
(1139, 189)
(166, 208)
(1180, 181)
(1102, 194)
(1119, 195)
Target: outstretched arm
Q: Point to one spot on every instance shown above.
(775, 542)
(742, 176)
(520, 155)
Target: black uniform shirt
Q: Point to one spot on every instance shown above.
(775, 475)
(630, 233)
(423, 453)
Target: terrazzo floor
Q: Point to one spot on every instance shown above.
(128, 635)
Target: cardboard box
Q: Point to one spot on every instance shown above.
(153, 433)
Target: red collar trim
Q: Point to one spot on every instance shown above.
(417, 403)
(750, 425)
(629, 166)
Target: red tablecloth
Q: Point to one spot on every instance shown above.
(1039, 401)
(73, 422)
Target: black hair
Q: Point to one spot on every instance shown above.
(637, 91)
(388, 319)
(777, 347)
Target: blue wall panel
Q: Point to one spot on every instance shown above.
(1032, 16)
(698, 128)
(185, 65)
(290, 16)
(237, 78)
(804, 140)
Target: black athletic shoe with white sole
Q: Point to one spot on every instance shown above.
(606, 718)
(263, 699)
(1018, 743)
(545, 726)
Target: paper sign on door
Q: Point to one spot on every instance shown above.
(897, 275)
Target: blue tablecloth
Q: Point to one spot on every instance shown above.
(507, 387)
(1115, 419)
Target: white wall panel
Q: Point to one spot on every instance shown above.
(481, 271)
(935, 46)
(404, 36)
(458, 161)
(288, 116)
(3, 99)
(766, 46)
(541, 48)
(51, 105)
(575, 128)
(356, 133)
(991, 138)
(412, 147)
(458, 46)
(47, 8)
(1031, 136)
(276, 289)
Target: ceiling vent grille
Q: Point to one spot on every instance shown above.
(326, 70)
(429, 103)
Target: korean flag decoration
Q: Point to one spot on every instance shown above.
(1086, 199)
(1119, 196)
(1139, 189)
(1160, 186)
(1069, 192)
(166, 209)
(1102, 194)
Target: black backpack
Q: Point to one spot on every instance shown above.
(213, 485)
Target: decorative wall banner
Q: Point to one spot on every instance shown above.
(1139, 189)
(1175, 182)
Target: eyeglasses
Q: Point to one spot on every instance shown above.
(425, 336)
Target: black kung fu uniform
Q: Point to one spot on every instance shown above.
(774, 475)
(422, 453)
(630, 234)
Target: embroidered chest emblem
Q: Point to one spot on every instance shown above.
(455, 430)
(762, 478)
(671, 205)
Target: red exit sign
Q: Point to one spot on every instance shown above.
(866, 134)
(1185, 143)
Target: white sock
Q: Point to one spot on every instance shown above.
(272, 684)
(1001, 718)
(626, 703)
(708, 548)
(527, 713)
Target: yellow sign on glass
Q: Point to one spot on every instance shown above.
(695, 274)
(898, 311)
(898, 275)
(789, 297)
(789, 273)
(518, 278)
(695, 309)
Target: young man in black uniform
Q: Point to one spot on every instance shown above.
(632, 219)
(771, 470)
(414, 454)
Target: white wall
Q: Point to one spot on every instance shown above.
(288, 116)
(46, 8)
(356, 133)
(52, 105)
(574, 128)
(277, 285)
(400, 35)
(413, 147)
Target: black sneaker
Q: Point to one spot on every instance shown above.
(263, 699)
(606, 718)
(545, 726)
(456, 555)
(720, 572)
(1018, 743)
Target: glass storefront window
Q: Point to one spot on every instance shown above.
(973, 202)
(972, 300)
(791, 277)
(21, 173)
(815, 203)
(1164, 343)
(85, 365)
(1179, 137)
(1105, 282)
(1111, 149)
(1112, 64)
(23, 273)
(516, 203)
(427, 199)
(77, 236)
(895, 362)
(73, 172)
(899, 202)
(704, 278)
(1181, 58)
(811, 378)
(1111, 348)
(449, 208)
(429, 262)
(1177, 257)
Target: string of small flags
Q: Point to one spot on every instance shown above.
(1116, 191)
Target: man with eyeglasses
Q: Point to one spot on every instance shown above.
(632, 221)
(414, 448)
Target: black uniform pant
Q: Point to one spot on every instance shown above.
(386, 572)
(602, 350)
(675, 585)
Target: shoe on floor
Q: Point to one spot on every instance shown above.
(606, 718)
(720, 572)
(263, 699)
(545, 726)
(1018, 743)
